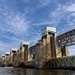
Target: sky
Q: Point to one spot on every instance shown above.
(23, 20)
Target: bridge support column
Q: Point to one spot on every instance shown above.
(52, 43)
(24, 51)
(63, 49)
(44, 46)
(48, 49)
(48, 44)
(48, 40)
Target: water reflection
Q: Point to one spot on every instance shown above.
(19, 71)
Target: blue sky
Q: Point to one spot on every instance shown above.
(22, 20)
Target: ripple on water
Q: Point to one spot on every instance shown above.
(21, 71)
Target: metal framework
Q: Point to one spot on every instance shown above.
(67, 38)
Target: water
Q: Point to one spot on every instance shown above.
(19, 71)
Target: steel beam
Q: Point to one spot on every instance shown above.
(67, 38)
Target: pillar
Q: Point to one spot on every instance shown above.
(48, 37)
(44, 47)
(24, 51)
(63, 49)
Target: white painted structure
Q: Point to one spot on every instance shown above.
(13, 49)
(48, 29)
(24, 43)
(7, 53)
(3, 55)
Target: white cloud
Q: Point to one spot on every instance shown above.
(70, 8)
(43, 23)
(35, 39)
(64, 13)
(15, 23)
(18, 24)
(34, 36)
(44, 2)
(73, 14)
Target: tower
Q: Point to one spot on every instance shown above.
(24, 51)
(48, 41)
(12, 54)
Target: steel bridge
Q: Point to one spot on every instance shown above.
(63, 40)
(66, 39)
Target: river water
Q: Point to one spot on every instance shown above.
(20, 71)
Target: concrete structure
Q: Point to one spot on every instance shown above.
(7, 58)
(24, 51)
(17, 59)
(48, 40)
(3, 60)
(11, 57)
(0, 61)
(21, 55)
(60, 52)
(60, 63)
(32, 50)
(35, 53)
(38, 54)
(42, 54)
(48, 44)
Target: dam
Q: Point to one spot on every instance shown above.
(49, 52)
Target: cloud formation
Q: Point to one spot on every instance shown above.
(15, 23)
(44, 2)
(63, 16)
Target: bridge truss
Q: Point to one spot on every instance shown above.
(66, 39)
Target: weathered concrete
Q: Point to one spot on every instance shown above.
(29, 64)
(7, 58)
(61, 63)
